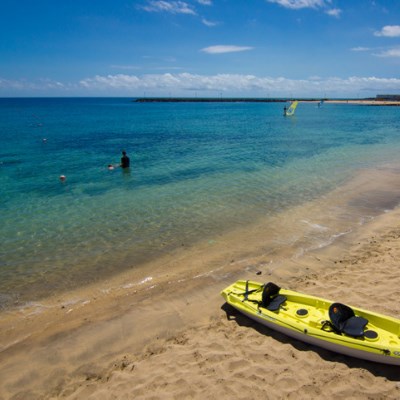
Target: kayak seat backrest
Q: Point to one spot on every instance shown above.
(344, 320)
(271, 299)
(276, 302)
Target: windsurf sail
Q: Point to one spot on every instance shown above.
(292, 108)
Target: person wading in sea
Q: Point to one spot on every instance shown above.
(125, 162)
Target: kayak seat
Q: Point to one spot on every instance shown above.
(345, 321)
(271, 299)
(276, 302)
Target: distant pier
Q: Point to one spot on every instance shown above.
(379, 101)
(209, 100)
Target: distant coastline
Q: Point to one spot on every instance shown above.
(367, 101)
(208, 100)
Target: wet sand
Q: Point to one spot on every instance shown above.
(169, 335)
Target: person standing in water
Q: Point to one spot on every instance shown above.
(125, 162)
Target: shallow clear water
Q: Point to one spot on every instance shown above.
(197, 169)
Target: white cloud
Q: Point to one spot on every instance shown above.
(360, 48)
(111, 81)
(334, 12)
(209, 23)
(219, 49)
(40, 85)
(389, 53)
(181, 84)
(177, 7)
(173, 7)
(389, 31)
(185, 84)
(297, 4)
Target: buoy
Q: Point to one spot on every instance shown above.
(63, 178)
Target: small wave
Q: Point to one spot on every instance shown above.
(315, 226)
(72, 302)
(32, 308)
(128, 286)
(324, 243)
(145, 280)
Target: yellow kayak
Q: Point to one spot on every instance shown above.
(334, 326)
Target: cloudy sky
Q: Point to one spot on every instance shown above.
(261, 48)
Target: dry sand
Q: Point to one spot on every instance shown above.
(371, 102)
(176, 339)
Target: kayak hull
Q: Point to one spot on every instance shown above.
(383, 346)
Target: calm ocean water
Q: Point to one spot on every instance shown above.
(197, 170)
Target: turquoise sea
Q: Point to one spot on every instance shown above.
(197, 170)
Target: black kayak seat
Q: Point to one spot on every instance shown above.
(345, 321)
(276, 302)
(271, 300)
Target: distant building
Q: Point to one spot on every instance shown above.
(389, 97)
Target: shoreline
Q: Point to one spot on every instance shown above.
(268, 240)
(141, 367)
(126, 331)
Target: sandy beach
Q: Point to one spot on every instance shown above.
(172, 337)
(366, 102)
(153, 154)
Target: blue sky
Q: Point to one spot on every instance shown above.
(262, 48)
